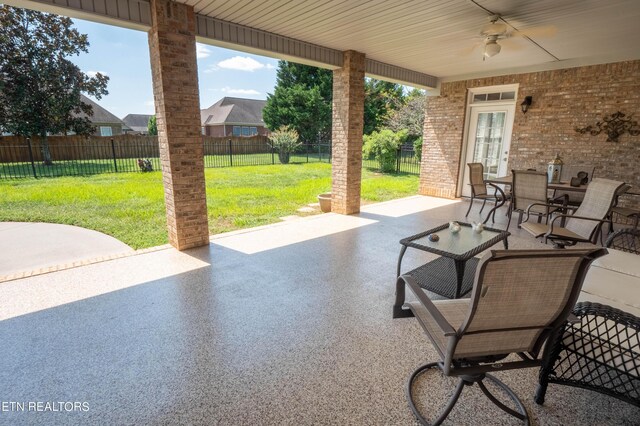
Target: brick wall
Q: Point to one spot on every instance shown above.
(562, 100)
(175, 88)
(348, 122)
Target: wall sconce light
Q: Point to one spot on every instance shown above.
(526, 104)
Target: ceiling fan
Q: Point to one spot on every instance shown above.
(493, 32)
(498, 29)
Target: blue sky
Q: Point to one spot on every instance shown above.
(123, 55)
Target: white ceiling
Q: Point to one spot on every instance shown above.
(437, 36)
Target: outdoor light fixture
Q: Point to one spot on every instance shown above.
(526, 104)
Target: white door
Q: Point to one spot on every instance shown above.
(488, 141)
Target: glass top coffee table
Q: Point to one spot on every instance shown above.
(452, 274)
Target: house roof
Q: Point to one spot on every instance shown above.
(234, 111)
(100, 115)
(137, 122)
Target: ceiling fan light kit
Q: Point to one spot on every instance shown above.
(491, 48)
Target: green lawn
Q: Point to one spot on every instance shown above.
(130, 206)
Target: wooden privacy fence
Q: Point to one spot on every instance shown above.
(17, 149)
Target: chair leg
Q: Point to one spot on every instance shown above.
(470, 205)
(483, 203)
(522, 415)
(509, 221)
(520, 219)
(450, 404)
(521, 412)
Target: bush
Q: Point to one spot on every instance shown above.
(417, 148)
(383, 147)
(285, 141)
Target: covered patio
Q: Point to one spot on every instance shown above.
(285, 324)
(291, 323)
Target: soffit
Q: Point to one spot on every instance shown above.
(436, 37)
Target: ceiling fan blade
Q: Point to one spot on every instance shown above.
(469, 50)
(512, 44)
(543, 31)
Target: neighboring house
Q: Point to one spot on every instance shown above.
(138, 123)
(234, 117)
(106, 123)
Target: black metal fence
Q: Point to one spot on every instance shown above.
(406, 161)
(23, 158)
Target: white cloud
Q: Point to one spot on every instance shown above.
(93, 73)
(242, 63)
(149, 103)
(202, 51)
(270, 67)
(231, 91)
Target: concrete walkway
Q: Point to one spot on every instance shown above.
(27, 248)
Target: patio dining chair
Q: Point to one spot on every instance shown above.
(519, 299)
(585, 224)
(479, 187)
(574, 198)
(530, 187)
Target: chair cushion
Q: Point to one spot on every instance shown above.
(539, 229)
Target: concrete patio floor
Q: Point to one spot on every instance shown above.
(39, 247)
(283, 324)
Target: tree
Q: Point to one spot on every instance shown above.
(410, 116)
(302, 101)
(41, 88)
(152, 126)
(382, 98)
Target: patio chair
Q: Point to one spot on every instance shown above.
(625, 240)
(574, 198)
(530, 187)
(479, 187)
(519, 298)
(585, 223)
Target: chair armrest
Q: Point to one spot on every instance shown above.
(428, 304)
(569, 216)
(562, 199)
(538, 204)
(497, 189)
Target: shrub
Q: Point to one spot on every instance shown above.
(383, 147)
(417, 148)
(285, 141)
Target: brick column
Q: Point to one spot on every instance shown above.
(348, 123)
(172, 47)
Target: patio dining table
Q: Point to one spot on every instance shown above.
(508, 181)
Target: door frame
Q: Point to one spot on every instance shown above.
(467, 121)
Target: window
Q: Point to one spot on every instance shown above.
(253, 131)
(236, 130)
(105, 131)
(496, 96)
(245, 131)
(204, 131)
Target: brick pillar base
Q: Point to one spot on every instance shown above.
(348, 123)
(172, 46)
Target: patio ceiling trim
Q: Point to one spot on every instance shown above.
(135, 14)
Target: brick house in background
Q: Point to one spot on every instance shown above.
(106, 124)
(138, 123)
(234, 117)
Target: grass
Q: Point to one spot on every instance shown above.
(130, 206)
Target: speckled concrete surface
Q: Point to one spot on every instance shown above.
(261, 327)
